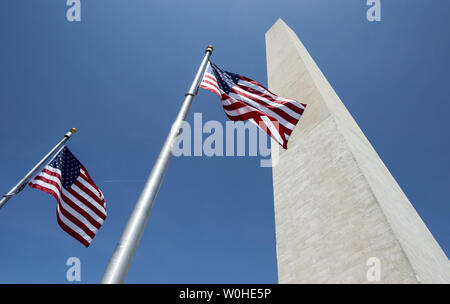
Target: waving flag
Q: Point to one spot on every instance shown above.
(81, 208)
(245, 99)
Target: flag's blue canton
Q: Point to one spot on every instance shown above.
(225, 80)
(69, 166)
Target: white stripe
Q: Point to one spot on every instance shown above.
(88, 198)
(281, 106)
(243, 110)
(54, 170)
(89, 186)
(210, 75)
(206, 80)
(263, 109)
(207, 85)
(262, 90)
(275, 133)
(93, 190)
(213, 80)
(253, 106)
(98, 190)
(78, 216)
(50, 177)
(73, 199)
(103, 197)
(257, 88)
(48, 186)
(69, 196)
(272, 129)
(83, 206)
(266, 121)
(72, 226)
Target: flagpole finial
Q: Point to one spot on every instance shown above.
(209, 49)
(71, 131)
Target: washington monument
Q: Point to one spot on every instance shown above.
(337, 207)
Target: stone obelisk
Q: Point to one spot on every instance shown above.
(340, 215)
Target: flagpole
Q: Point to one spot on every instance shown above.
(120, 262)
(22, 183)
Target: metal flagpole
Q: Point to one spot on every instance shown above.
(22, 183)
(120, 261)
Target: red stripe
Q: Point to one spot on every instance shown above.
(240, 104)
(213, 78)
(44, 189)
(89, 179)
(257, 84)
(278, 126)
(48, 181)
(76, 221)
(58, 194)
(51, 173)
(80, 210)
(256, 113)
(91, 182)
(99, 193)
(288, 104)
(67, 200)
(256, 116)
(272, 97)
(230, 107)
(87, 203)
(263, 126)
(88, 192)
(211, 84)
(211, 90)
(70, 231)
(66, 213)
(277, 110)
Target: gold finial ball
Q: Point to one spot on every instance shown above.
(210, 48)
(73, 130)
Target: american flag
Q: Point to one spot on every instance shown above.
(245, 99)
(81, 208)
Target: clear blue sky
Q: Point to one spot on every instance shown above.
(119, 77)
